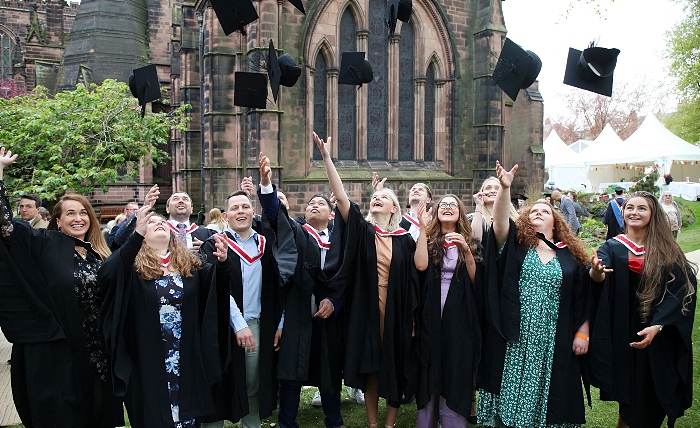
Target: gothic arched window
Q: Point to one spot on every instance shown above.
(377, 90)
(347, 94)
(7, 46)
(406, 93)
(320, 104)
(429, 118)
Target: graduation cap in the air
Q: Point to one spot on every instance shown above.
(397, 10)
(145, 86)
(250, 89)
(234, 15)
(592, 69)
(516, 69)
(299, 5)
(354, 69)
(281, 70)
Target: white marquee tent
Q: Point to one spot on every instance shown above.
(564, 166)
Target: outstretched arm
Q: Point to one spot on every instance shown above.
(501, 206)
(342, 201)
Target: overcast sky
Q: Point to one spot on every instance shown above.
(636, 27)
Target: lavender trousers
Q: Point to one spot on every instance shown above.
(437, 411)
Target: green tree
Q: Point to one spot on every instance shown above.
(683, 52)
(80, 140)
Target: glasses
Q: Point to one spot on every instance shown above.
(444, 205)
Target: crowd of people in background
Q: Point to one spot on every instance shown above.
(499, 316)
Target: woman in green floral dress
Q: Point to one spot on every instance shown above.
(536, 308)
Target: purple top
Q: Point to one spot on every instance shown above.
(449, 262)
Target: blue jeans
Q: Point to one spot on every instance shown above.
(289, 405)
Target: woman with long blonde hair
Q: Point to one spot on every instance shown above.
(376, 264)
(646, 290)
(450, 337)
(482, 218)
(536, 310)
(216, 220)
(160, 324)
(60, 368)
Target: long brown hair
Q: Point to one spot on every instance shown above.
(148, 263)
(562, 232)
(436, 239)
(661, 254)
(94, 234)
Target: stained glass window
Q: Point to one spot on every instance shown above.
(429, 120)
(406, 93)
(347, 94)
(6, 50)
(377, 90)
(320, 91)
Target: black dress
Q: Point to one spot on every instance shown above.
(49, 302)
(649, 383)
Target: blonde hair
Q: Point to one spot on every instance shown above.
(486, 213)
(94, 235)
(148, 263)
(395, 218)
(216, 218)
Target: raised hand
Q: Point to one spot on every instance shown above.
(333, 200)
(376, 184)
(479, 199)
(505, 177)
(323, 147)
(247, 185)
(458, 239)
(152, 196)
(143, 216)
(598, 269)
(221, 252)
(6, 158)
(265, 171)
(424, 216)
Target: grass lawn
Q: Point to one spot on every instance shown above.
(602, 415)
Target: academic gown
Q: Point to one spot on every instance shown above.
(52, 381)
(610, 220)
(669, 354)
(353, 268)
(130, 322)
(449, 344)
(311, 349)
(501, 301)
(230, 395)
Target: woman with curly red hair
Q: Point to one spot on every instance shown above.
(536, 308)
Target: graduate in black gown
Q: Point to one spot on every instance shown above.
(448, 260)
(376, 266)
(311, 347)
(49, 302)
(261, 263)
(160, 323)
(645, 290)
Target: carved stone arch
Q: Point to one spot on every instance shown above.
(429, 8)
(434, 60)
(323, 48)
(329, 8)
(9, 32)
(418, 23)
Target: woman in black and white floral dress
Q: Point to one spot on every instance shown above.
(164, 369)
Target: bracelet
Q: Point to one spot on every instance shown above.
(477, 209)
(582, 336)
(659, 326)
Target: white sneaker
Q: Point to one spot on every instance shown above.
(357, 395)
(316, 401)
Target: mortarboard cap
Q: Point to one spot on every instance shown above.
(299, 5)
(516, 69)
(281, 70)
(234, 15)
(592, 69)
(250, 90)
(619, 189)
(145, 86)
(354, 69)
(397, 10)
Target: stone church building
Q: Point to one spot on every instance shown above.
(431, 114)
